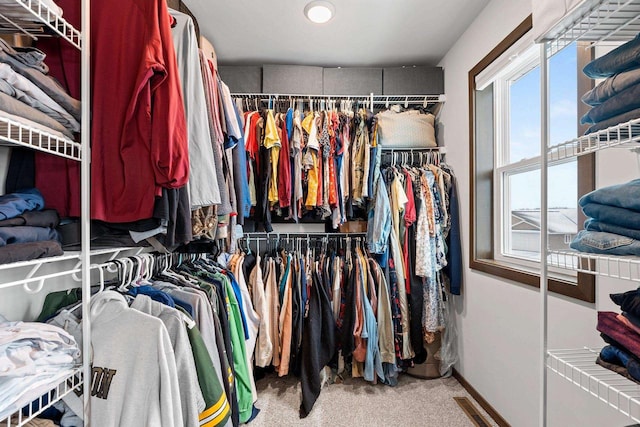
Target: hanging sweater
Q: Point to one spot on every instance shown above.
(134, 381)
(191, 399)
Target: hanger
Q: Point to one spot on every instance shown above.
(127, 273)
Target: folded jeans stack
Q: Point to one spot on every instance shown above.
(622, 333)
(616, 99)
(26, 230)
(613, 223)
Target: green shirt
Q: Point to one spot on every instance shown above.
(217, 409)
(236, 330)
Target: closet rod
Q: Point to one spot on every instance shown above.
(432, 155)
(301, 235)
(377, 99)
(387, 151)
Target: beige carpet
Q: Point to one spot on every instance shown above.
(413, 402)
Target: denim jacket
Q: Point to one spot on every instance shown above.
(379, 224)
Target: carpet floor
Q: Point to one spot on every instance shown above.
(413, 402)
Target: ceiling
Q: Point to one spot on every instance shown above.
(362, 32)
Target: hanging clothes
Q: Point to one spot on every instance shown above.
(318, 343)
(203, 182)
(139, 133)
(121, 395)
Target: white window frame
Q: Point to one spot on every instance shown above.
(519, 64)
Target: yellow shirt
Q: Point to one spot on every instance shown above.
(398, 201)
(311, 164)
(307, 122)
(272, 143)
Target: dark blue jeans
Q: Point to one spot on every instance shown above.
(622, 58)
(620, 357)
(598, 242)
(612, 86)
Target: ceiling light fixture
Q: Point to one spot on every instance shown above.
(319, 11)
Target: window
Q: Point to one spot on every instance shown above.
(505, 161)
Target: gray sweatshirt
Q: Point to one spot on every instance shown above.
(135, 381)
(191, 399)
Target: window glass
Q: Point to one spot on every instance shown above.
(563, 95)
(522, 208)
(524, 116)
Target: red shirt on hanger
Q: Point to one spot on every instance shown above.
(284, 168)
(139, 133)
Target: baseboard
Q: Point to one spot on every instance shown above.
(481, 401)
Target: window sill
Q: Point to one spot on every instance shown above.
(583, 290)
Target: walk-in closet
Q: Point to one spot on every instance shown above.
(312, 213)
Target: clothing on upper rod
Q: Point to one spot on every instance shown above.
(333, 157)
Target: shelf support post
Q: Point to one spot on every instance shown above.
(85, 207)
(544, 163)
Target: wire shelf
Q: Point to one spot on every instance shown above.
(33, 273)
(70, 382)
(619, 267)
(67, 256)
(386, 100)
(14, 132)
(624, 134)
(596, 21)
(29, 16)
(579, 366)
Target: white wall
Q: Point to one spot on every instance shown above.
(498, 321)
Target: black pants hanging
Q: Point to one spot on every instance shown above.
(416, 302)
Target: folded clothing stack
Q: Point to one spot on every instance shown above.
(622, 333)
(31, 96)
(27, 231)
(613, 223)
(34, 359)
(616, 99)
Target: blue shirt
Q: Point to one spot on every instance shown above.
(289, 122)
(154, 294)
(238, 295)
